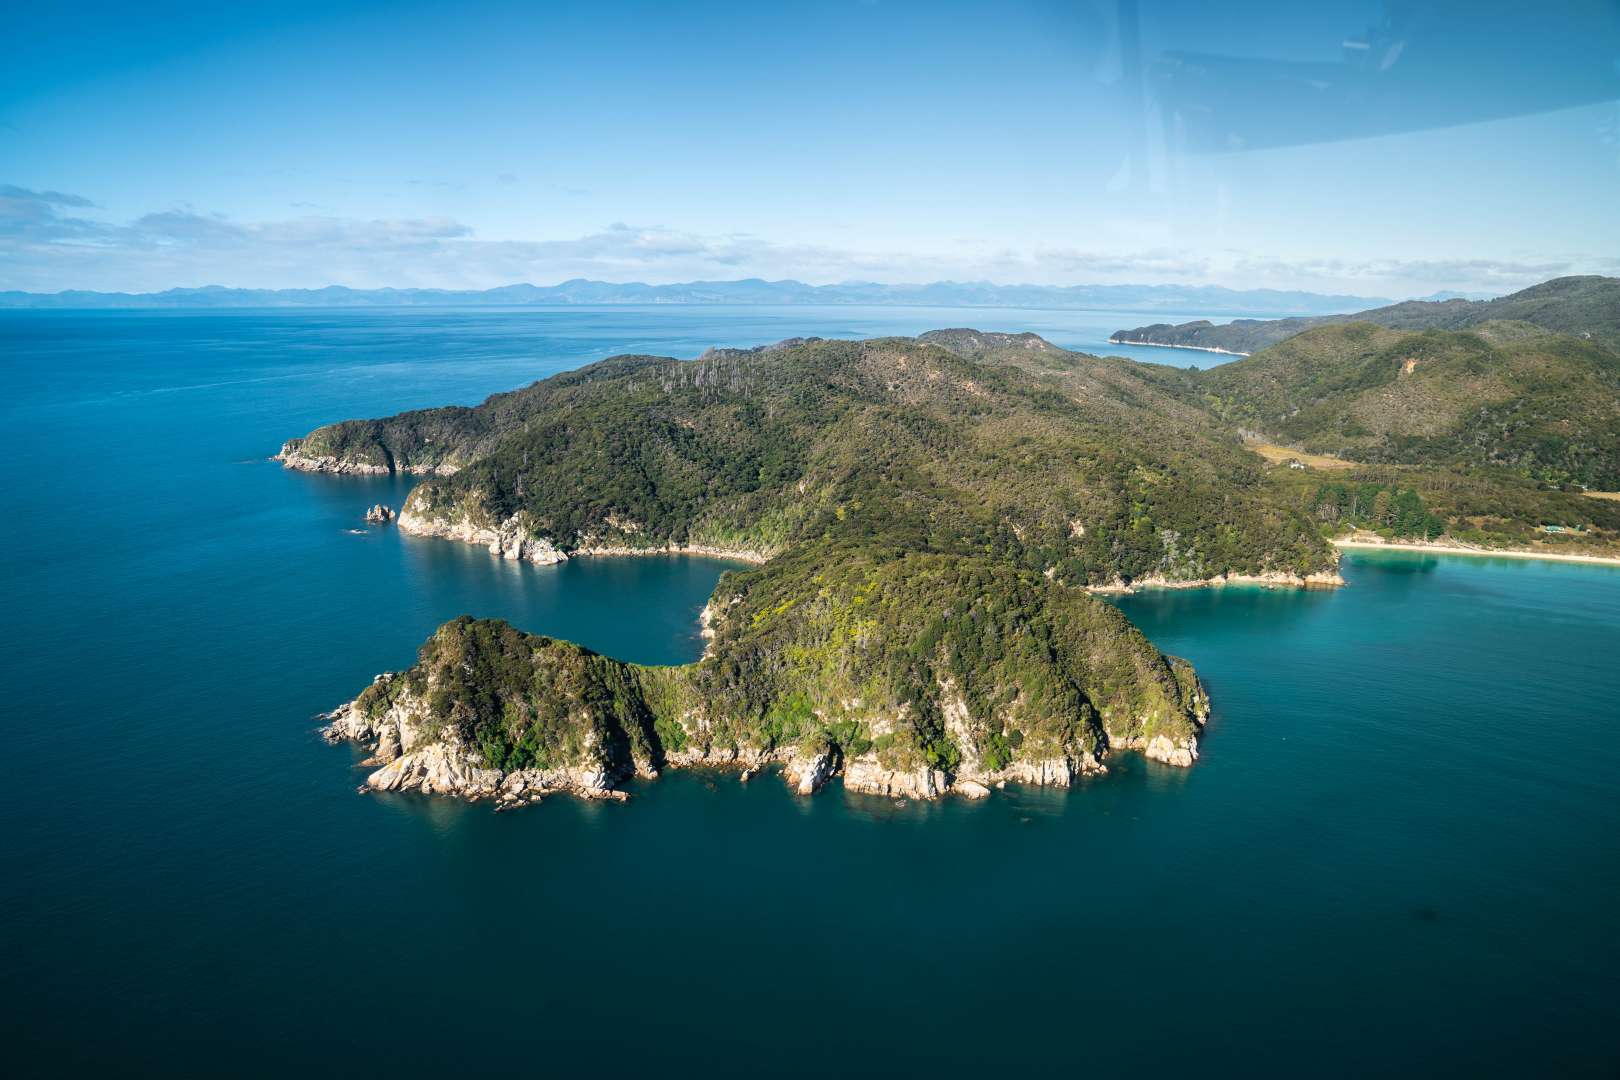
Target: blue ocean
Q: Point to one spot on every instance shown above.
(1399, 853)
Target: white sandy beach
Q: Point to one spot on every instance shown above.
(1453, 549)
(1167, 345)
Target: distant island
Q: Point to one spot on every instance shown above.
(746, 291)
(929, 521)
(1586, 306)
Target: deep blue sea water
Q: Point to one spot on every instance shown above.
(1400, 852)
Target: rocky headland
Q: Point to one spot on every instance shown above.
(491, 714)
(1321, 579)
(520, 537)
(1586, 306)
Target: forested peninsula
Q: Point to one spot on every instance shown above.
(926, 515)
(929, 520)
(1586, 306)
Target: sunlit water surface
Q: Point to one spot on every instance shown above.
(1398, 853)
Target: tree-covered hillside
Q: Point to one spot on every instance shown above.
(1586, 307)
(1051, 461)
(927, 512)
(912, 673)
(1546, 406)
(1482, 506)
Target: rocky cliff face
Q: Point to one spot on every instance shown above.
(1324, 579)
(520, 537)
(612, 721)
(515, 538)
(298, 454)
(447, 767)
(868, 775)
(293, 456)
(412, 756)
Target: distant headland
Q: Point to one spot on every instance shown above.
(1587, 306)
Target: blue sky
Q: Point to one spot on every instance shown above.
(1383, 148)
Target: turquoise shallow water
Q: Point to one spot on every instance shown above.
(1401, 850)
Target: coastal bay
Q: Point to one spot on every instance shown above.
(1400, 823)
(1458, 549)
(639, 540)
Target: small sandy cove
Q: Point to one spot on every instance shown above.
(1503, 553)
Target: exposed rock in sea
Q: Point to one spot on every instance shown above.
(380, 514)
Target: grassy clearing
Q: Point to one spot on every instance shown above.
(1279, 455)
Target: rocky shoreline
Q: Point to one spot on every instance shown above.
(406, 760)
(518, 538)
(1320, 580)
(292, 456)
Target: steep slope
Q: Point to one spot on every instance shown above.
(913, 676)
(1074, 467)
(925, 516)
(1586, 307)
(1503, 394)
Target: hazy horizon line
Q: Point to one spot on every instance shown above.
(1266, 300)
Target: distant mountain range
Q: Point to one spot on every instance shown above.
(1146, 298)
(1586, 306)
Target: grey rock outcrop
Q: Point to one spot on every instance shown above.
(515, 538)
(406, 757)
(293, 456)
(808, 772)
(868, 775)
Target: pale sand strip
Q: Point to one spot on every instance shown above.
(1189, 348)
(1504, 553)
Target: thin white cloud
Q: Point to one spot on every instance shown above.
(1473, 273)
(47, 243)
(23, 196)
